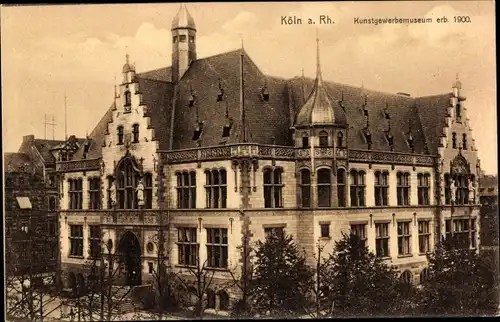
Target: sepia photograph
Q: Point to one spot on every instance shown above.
(246, 160)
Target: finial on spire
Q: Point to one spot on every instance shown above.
(126, 57)
(318, 65)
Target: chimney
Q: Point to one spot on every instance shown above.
(28, 138)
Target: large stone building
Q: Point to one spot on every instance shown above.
(225, 154)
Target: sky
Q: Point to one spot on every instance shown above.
(77, 51)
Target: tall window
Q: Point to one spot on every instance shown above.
(447, 228)
(75, 193)
(323, 139)
(381, 188)
(382, 239)
(216, 188)
(324, 187)
(217, 250)
(403, 189)
(404, 238)
(127, 98)
(340, 139)
(464, 141)
(186, 189)
(187, 245)
(52, 203)
(119, 131)
(305, 188)
(360, 231)
(473, 233)
(454, 140)
(357, 188)
(461, 229)
(458, 112)
(406, 277)
(94, 193)
(148, 191)
(423, 189)
(273, 188)
(424, 236)
(128, 178)
(110, 184)
(462, 197)
(135, 133)
(76, 240)
(52, 227)
(447, 191)
(95, 241)
(341, 193)
(305, 140)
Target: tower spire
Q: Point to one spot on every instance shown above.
(318, 63)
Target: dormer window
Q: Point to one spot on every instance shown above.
(197, 131)
(182, 38)
(323, 139)
(127, 98)
(410, 140)
(305, 140)
(120, 134)
(264, 93)
(340, 139)
(226, 130)
(464, 141)
(454, 140)
(220, 95)
(368, 136)
(135, 133)
(390, 139)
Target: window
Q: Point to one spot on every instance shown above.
(150, 268)
(403, 189)
(191, 39)
(119, 131)
(381, 188)
(340, 139)
(305, 140)
(75, 193)
(135, 133)
(127, 98)
(447, 191)
(324, 187)
(128, 178)
(454, 140)
(406, 277)
(52, 227)
(382, 239)
(52, 180)
(423, 189)
(448, 228)
(95, 241)
(148, 191)
(182, 38)
(465, 231)
(404, 238)
(458, 111)
(464, 141)
(94, 193)
(360, 231)
(325, 230)
(223, 301)
(275, 231)
(462, 183)
(357, 188)
(424, 275)
(216, 188)
(323, 139)
(76, 240)
(273, 188)
(305, 188)
(110, 185)
(424, 237)
(210, 299)
(217, 250)
(24, 227)
(341, 194)
(473, 233)
(52, 203)
(187, 246)
(186, 190)
(174, 39)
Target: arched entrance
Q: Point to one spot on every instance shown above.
(130, 255)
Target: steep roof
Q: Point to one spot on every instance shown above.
(432, 112)
(17, 162)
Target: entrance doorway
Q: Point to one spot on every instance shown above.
(130, 255)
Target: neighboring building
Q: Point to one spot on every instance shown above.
(225, 153)
(488, 189)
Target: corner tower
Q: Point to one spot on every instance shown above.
(183, 43)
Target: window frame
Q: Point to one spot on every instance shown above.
(305, 188)
(223, 248)
(404, 238)
(135, 133)
(424, 236)
(94, 240)
(216, 188)
(94, 191)
(273, 187)
(381, 188)
(186, 189)
(357, 188)
(341, 188)
(359, 229)
(384, 240)
(75, 240)
(423, 189)
(187, 248)
(119, 134)
(323, 139)
(403, 188)
(325, 186)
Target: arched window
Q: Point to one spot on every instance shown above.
(323, 139)
(216, 188)
(305, 188)
(186, 189)
(148, 191)
(305, 140)
(127, 98)
(454, 140)
(341, 193)
(464, 141)
(381, 188)
(210, 299)
(340, 139)
(424, 275)
(458, 111)
(403, 189)
(423, 189)
(273, 188)
(109, 192)
(357, 188)
(135, 133)
(406, 277)
(128, 178)
(324, 187)
(223, 301)
(119, 131)
(447, 191)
